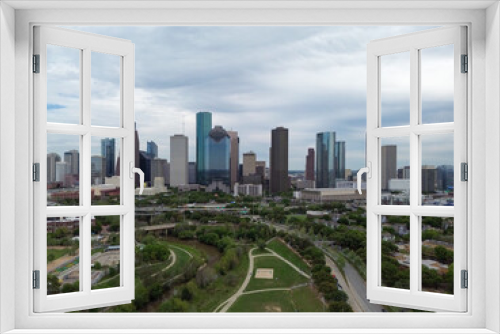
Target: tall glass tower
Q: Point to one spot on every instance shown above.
(108, 153)
(340, 160)
(218, 150)
(325, 160)
(203, 127)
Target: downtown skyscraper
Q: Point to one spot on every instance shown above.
(179, 165)
(389, 168)
(340, 160)
(203, 128)
(325, 160)
(235, 156)
(108, 153)
(279, 181)
(218, 151)
(310, 164)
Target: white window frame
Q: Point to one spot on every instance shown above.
(484, 49)
(413, 43)
(86, 44)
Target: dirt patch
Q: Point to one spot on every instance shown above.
(272, 308)
(264, 273)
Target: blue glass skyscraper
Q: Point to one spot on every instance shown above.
(218, 150)
(203, 127)
(152, 149)
(325, 160)
(108, 153)
(340, 160)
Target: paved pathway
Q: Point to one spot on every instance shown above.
(228, 303)
(174, 259)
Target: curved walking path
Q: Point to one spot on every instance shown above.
(174, 259)
(229, 302)
(226, 305)
(276, 289)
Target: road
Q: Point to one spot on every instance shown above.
(356, 286)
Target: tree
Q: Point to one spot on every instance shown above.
(174, 305)
(339, 296)
(339, 307)
(68, 287)
(97, 265)
(53, 285)
(141, 294)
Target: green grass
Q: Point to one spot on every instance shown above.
(272, 301)
(297, 300)
(307, 300)
(284, 276)
(283, 250)
(57, 253)
(180, 263)
(259, 251)
(108, 283)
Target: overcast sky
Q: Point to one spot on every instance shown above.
(252, 79)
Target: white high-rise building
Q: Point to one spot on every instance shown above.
(61, 171)
(179, 165)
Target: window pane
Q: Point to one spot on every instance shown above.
(105, 271)
(437, 254)
(395, 245)
(395, 89)
(105, 171)
(437, 84)
(63, 265)
(63, 169)
(395, 170)
(105, 89)
(63, 84)
(437, 169)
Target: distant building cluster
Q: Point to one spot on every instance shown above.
(217, 166)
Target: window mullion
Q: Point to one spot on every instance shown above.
(414, 170)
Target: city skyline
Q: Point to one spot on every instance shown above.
(307, 79)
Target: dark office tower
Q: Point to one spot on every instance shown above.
(145, 165)
(108, 153)
(117, 168)
(137, 160)
(310, 164)
(235, 154)
(389, 165)
(340, 160)
(203, 127)
(279, 160)
(445, 177)
(72, 158)
(52, 158)
(218, 151)
(429, 178)
(192, 172)
(152, 149)
(325, 160)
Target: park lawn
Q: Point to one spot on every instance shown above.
(54, 254)
(307, 300)
(259, 251)
(208, 299)
(180, 263)
(107, 282)
(195, 252)
(303, 299)
(284, 276)
(271, 301)
(283, 250)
